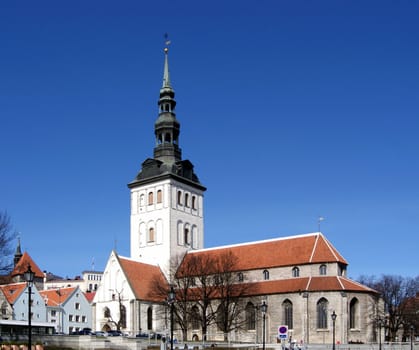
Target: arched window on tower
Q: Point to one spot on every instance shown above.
(150, 198)
(323, 269)
(186, 235)
(322, 306)
(353, 313)
(151, 235)
(295, 272)
(186, 200)
(179, 197)
(159, 196)
(288, 313)
(141, 200)
(265, 275)
(250, 316)
(194, 202)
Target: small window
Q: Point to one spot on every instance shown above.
(265, 275)
(159, 196)
(295, 272)
(323, 269)
(142, 200)
(77, 306)
(193, 202)
(179, 197)
(77, 318)
(186, 236)
(70, 318)
(186, 200)
(83, 319)
(150, 198)
(240, 277)
(151, 234)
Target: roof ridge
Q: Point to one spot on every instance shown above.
(314, 249)
(302, 235)
(340, 282)
(329, 245)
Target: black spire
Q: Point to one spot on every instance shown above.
(167, 161)
(166, 127)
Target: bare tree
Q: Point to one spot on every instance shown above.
(396, 292)
(231, 289)
(7, 234)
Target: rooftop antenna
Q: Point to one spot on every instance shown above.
(321, 218)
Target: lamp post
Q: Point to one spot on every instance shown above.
(28, 276)
(380, 324)
(334, 320)
(411, 336)
(263, 308)
(171, 302)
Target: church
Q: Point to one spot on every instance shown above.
(300, 280)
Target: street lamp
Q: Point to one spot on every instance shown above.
(28, 276)
(171, 302)
(411, 336)
(263, 308)
(380, 324)
(334, 320)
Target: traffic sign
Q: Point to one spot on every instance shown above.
(283, 332)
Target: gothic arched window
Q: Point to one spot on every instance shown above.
(288, 313)
(150, 318)
(323, 269)
(295, 272)
(265, 275)
(353, 313)
(322, 306)
(250, 316)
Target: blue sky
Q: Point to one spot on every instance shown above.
(289, 110)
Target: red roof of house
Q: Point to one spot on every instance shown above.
(55, 297)
(287, 251)
(22, 266)
(90, 296)
(143, 278)
(12, 291)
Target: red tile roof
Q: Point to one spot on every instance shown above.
(293, 285)
(12, 291)
(310, 284)
(90, 296)
(287, 251)
(143, 278)
(55, 297)
(22, 266)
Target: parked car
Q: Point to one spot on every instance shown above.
(99, 334)
(114, 333)
(142, 335)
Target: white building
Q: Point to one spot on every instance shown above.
(302, 278)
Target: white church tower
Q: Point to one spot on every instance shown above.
(166, 195)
